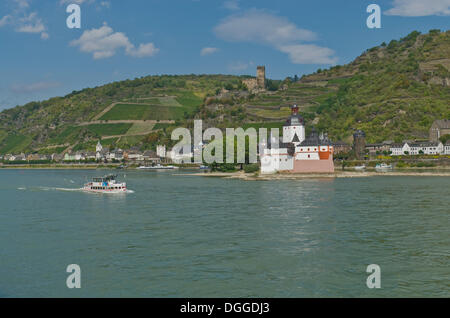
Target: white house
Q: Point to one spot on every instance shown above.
(161, 151)
(447, 148)
(417, 148)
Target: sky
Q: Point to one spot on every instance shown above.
(40, 57)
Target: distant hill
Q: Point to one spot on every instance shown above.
(393, 92)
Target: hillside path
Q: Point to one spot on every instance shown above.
(126, 121)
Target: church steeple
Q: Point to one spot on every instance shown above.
(99, 147)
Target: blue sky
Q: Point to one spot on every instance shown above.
(40, 57)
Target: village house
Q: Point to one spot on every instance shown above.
(57, 157)
(37, 157)
(134, 154)
(341, 147)
(21, 157)
(417, 148)
(90, 155)
(116, 154)
(439, 128)
(375, 148)
(151, 156)
(447, 148)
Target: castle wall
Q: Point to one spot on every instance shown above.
(274, 163)
(314, 166)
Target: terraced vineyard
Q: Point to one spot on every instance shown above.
(157, 108)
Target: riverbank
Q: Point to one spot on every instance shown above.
(338, 174)
(59, 167)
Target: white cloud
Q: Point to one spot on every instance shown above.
(31, 24)
(7, 19)
(262, 27)
(208, 50)
(34, 87)
(239, 66)
(75, 1)
(104, 42)
(231, 5)
(309, 54)
(22, 3)
(143, 50)
(105, 4)
(44, 36)
(419, 8)
(23, 21)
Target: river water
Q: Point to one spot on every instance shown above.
(180, 235)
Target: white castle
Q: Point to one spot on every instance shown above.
(297, 153)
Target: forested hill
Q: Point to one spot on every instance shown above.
(393, 92)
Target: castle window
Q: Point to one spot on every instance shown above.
(309, 156)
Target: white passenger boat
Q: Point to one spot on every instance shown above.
(383, 167)
(359, 168)
(106, 184)
(157, 167)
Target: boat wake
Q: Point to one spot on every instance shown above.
(60, 189)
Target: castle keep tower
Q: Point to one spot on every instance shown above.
(359, 143)
(261, 76)
(294, 128)
(257, 84)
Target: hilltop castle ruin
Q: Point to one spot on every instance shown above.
(258, 83)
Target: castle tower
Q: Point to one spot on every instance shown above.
(294, 128)
(261, 76)
(359, 143)
(99, 147)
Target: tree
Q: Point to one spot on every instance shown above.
(444, 138)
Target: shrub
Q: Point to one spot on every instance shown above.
(251, 168)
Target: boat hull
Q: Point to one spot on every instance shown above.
(105, 191)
